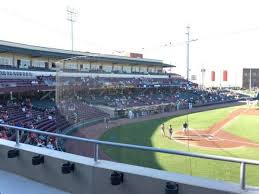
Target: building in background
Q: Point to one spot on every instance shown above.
(219, 76)
(250, 78)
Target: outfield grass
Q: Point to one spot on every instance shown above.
(245, 126)
(148, 133)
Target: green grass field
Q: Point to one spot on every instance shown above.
(245, 126)
(148, 133)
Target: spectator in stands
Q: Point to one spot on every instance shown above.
(31, 126)
(40, 143)
(190, 105)
(23, 109)
(5, 116)
(38, 118)
(3, 135)
(18, 124)
(29, 114)
(32, 139)
(49, 145)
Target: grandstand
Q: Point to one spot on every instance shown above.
(33, 58)
(28, 80)
(89, 86)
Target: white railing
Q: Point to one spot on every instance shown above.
(242, 162)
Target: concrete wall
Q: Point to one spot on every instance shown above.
(94, 177)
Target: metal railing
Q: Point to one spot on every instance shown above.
(242, 162)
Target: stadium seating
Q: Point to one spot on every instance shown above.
(128, 92)
(41, 115)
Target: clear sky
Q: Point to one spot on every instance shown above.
(227, 30)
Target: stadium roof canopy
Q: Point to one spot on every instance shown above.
(37, 51)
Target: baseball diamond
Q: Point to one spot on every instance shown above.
(210, 131)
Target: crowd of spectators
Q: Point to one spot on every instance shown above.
(49, 82)
(80, 97)
(23, 114)
(150, 96)
(125, 82)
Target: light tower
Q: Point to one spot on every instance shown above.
(71, 17)
(203, 70)
(188, 52)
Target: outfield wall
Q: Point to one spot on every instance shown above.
(183, 112)
(206, 107)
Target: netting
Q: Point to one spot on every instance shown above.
(74, 96)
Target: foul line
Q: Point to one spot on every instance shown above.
(230, 119)
(219, 139)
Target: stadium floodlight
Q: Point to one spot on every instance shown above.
(116, 178)
(13, 153)
(71, 17)
(67, 168)
(188, 51)
(171, 188)
(37, 160)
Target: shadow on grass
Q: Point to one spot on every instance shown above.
(141, 134)
(147, 133)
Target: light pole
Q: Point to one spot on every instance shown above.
(203, 70)
(188, 52)
(71, 14)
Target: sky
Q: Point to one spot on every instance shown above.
(226, 30)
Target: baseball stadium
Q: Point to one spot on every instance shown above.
(128, 101)
(129, 97)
